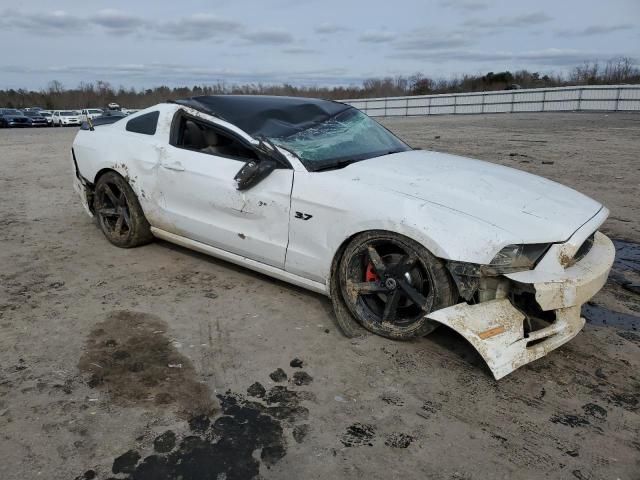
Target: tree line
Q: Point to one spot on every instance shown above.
(100, 93)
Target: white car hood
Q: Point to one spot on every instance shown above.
(532, 208)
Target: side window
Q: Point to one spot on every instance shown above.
(145, 124)
(200, 137)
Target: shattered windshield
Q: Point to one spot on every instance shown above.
(347, 137)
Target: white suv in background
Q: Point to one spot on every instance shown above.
(65, 117)
(90, 113)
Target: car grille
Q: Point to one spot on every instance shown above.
(584, 248)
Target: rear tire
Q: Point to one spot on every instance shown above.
(390, 283)
(119, 213)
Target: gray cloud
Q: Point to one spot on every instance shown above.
(548, 57)
(116, 21)
(57, 22)
(197, 27)
(170, 73)
(299, 51)
(429, 40)
(328, 28)
(377, 37)
(469, 5)
(594, 30)
(500, 23)
(193, 27)
(268, 37)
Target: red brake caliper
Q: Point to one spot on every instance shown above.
(370, 274)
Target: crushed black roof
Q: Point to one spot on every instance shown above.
(271, 116)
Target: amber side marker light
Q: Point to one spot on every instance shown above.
(492, 332)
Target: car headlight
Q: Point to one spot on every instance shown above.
(516, 258)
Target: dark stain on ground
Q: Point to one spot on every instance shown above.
(278, 375)
(222, 447)
(126, 463)
(628, 401)
(429, 408)
(595, 411)
(256, 390)
(578, 474)
(129, 356)
(296, 363)
(358, 435)
(500, 438)
(88, 475)
(302, 378)
(600, 373)
(165, 442)
(627, 256)
(199, 423)
(398, 440)
(570, 420)
(300, 432)
(284, 404)
(626, 266)
(630, 336)
(599, 315)
(231, 445)
(392, 399)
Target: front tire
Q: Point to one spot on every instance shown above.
(119, 214)
(390, 283)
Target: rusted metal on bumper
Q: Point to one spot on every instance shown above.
(496, 328)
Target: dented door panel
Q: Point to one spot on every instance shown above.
(200, 201)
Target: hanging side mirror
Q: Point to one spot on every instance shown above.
(253, 172)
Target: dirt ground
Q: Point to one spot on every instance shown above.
(159, 362)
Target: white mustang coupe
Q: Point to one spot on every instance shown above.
(317, 194)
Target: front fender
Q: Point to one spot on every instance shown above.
(340, 209)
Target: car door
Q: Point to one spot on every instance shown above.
(199, 200)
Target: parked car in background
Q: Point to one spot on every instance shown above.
(108, 116)
(113, 106)
(10, 117)
(65, 118)
(48, 115)
(90, 113)
(36, 118)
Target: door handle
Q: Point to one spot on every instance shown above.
(177, 166)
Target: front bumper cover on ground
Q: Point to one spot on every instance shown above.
(496, 328)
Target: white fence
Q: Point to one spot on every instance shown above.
(563, 99)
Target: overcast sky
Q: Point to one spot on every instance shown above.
(146, 43)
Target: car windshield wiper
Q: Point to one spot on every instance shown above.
(389, 152)
(348, 161)
(337, 164)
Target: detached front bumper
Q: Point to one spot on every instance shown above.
(496, 327)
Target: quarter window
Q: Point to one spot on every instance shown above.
(145, 124)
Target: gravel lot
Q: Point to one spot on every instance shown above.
(137, 362)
